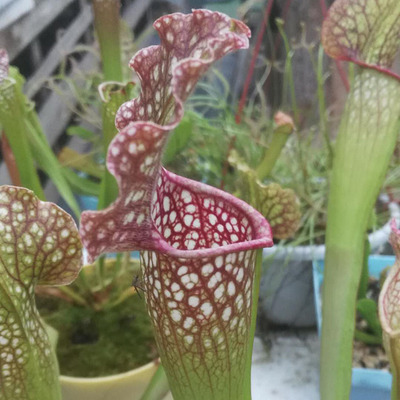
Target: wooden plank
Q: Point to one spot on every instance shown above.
(12, 10)
(63, 46)
(16, 37)
(55, 113)
(135, 11)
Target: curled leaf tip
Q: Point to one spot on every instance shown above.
(284, 123)
(366, 32)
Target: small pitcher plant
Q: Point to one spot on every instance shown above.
(39, 245)
(198, 244)
(389, 313)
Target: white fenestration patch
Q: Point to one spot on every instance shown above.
(219, 291)
(207, 269)
(188, 323)
(231, 288)
(166, 204)
(213, 219)
(176, 315)
(193, 301)
(182, 270)
(186, 196)
(226, 314)
(207, 309)
(188, 220)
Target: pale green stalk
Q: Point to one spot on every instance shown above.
(279, 138)
(112, 100)
(107, 26)
(322, 105)
(365, 143)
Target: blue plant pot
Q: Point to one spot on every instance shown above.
(367, 384)
(87, 202)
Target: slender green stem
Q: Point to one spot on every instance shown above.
(112, 100)
(289, 71)
(322, 106)
(48, 162)
(272, 154)
(107, 25)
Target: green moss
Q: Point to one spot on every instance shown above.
(98, 343)
(101, 339)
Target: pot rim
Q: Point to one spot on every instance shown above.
(316, 252)
(109, 378)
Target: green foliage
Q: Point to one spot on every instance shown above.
(28, 143)
(368, 310)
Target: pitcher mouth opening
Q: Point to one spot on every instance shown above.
(194, 219)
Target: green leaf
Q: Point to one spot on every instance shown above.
(80, 162)
(81, 132)
(368, 309)
(12, 119)
(367, 338)
(39, 245)
(49, 164)
(179, 138)
(80, 184)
